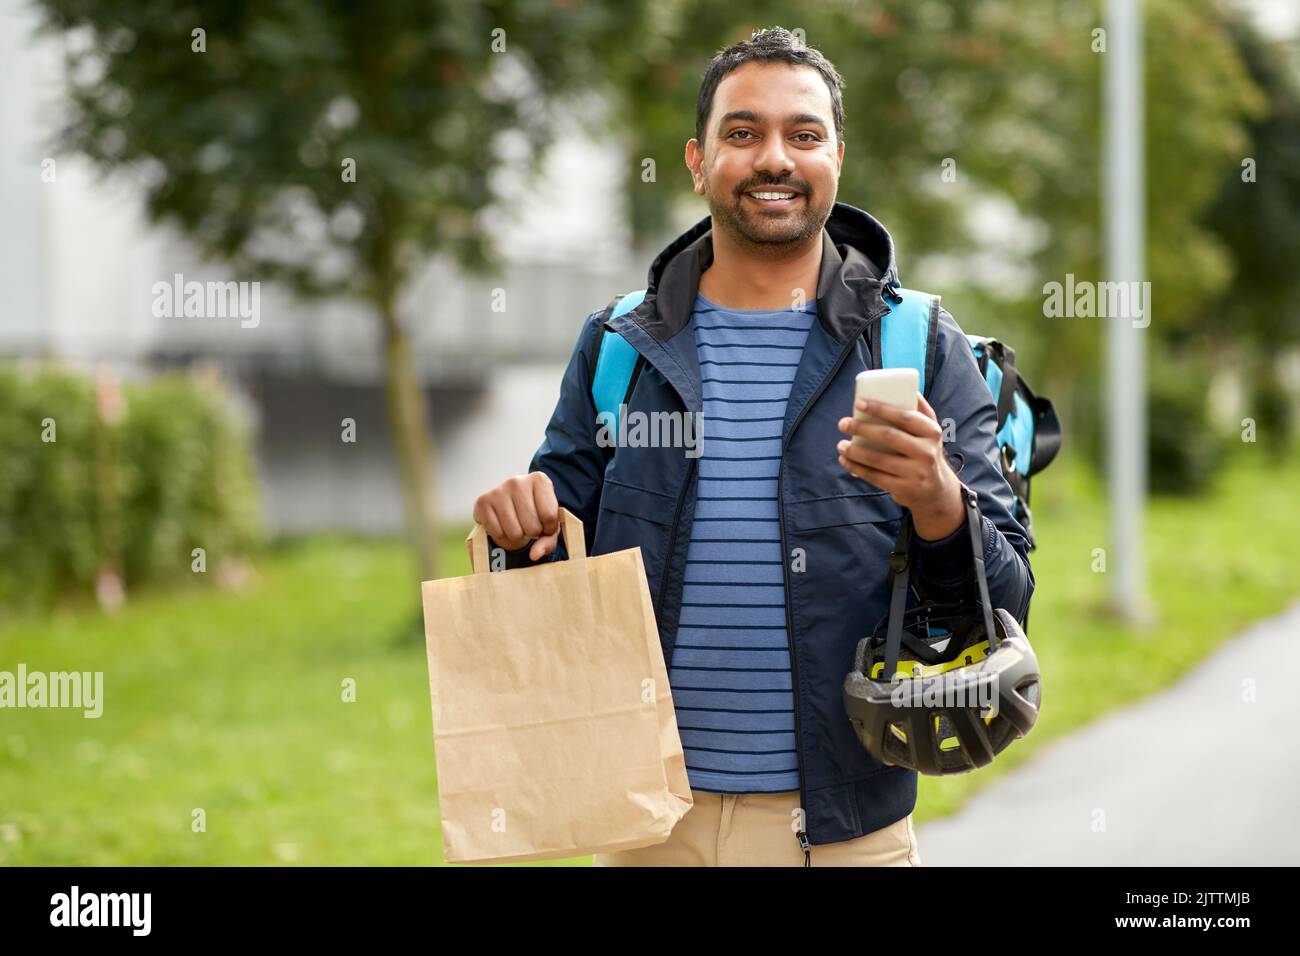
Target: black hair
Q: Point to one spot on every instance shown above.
(776, 43)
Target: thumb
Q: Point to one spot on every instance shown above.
(543, 546)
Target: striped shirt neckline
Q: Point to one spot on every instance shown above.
(809, 307)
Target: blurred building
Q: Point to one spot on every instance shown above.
(78, 264)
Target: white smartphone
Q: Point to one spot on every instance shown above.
(894, 386)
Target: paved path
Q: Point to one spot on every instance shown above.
(1191, 776)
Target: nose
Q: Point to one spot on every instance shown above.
(773, 158)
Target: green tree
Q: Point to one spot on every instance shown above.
(251, 117)
(1254, 211)
(1254, 321)
(1010, 90)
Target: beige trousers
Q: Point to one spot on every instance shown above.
(754, 829)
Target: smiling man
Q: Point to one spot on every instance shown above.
(768, 554)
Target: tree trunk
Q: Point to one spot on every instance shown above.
(411, 438)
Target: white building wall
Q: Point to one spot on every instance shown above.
(78, 263)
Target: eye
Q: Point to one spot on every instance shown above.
(814, 136)
(738, 131)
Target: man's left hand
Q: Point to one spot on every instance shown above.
(914, 469)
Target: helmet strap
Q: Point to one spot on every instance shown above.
(900, 571)
(976, 525)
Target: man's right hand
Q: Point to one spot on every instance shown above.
(519, 510)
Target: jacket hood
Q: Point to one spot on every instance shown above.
(857, 263)
(848, 227)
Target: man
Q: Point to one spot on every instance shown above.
(767, 550)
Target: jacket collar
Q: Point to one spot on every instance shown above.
(857, 263)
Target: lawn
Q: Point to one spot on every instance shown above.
(232, 704)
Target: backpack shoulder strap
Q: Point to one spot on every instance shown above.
(616, 360)
(908, 333)
(997, 362)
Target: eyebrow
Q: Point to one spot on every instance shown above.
(749, 116)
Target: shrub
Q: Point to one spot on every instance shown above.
(1185, 449)
(174, 474)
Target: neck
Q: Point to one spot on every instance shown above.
(738, 279)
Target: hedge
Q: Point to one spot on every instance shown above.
(175, 472)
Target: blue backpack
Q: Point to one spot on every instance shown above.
(1028, 431)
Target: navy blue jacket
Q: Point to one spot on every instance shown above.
(645, 496)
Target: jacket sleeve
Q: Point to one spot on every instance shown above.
(945, 568)
(569, 454)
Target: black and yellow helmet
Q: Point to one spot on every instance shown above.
(930, 689)
(953, 703)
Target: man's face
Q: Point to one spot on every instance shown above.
(787, 139)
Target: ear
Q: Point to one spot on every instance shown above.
(694, 160)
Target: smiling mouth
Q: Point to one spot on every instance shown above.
(774, 199)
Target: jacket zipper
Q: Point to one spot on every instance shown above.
(802, 834)
(672, 544)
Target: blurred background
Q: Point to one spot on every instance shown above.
(229, 514)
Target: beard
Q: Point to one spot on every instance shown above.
(765, 232)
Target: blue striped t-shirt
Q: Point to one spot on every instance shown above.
(730, 672)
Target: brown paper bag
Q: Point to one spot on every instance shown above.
(554, 729)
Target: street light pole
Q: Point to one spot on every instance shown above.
(1125, 262)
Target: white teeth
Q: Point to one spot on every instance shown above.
(773, 195)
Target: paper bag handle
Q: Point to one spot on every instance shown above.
(570, 530)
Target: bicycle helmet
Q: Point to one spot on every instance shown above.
(944, 687)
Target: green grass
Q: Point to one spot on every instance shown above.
(232, 702)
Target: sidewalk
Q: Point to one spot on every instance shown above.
(1192, 776)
